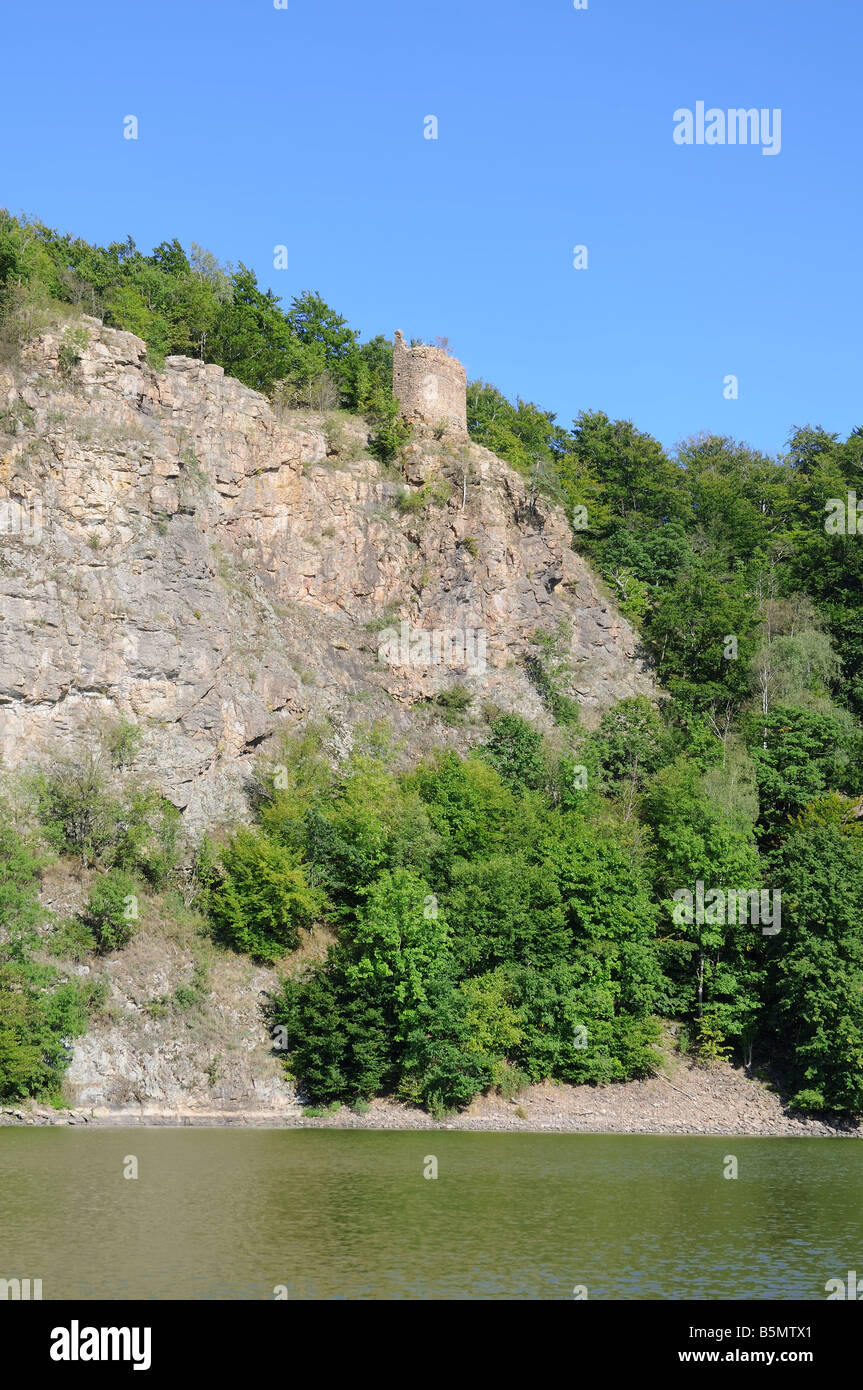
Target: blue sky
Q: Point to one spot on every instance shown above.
(304, 127)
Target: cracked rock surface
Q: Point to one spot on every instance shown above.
(175, 552)
(211, 571)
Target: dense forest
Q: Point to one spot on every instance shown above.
(514, 914)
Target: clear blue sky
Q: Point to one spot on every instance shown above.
(305, 127)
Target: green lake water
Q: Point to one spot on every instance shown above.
(225, 1214)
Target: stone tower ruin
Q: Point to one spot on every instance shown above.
(430, 385)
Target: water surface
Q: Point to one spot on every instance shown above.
(227, 1214)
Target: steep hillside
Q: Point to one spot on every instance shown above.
(185, 558)
(178, 554)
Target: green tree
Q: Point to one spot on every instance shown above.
(795, 753)
(399, 940)
(263, 898)
(631, 743)
(690, 630)
(816, 975)
(504, 908)
(714, 966)
(515, 751)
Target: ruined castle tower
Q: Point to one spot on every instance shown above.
(431, 386)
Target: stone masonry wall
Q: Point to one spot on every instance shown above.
(430, 385)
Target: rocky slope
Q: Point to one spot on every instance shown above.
(211, 571)
(173, 551)
(684, 1098)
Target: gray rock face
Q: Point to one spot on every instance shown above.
(174, 552)
(134, 1063)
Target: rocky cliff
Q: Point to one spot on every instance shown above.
(175, 551)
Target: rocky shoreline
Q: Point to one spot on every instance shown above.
(684, 1099)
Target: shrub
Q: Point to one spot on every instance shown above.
(38, 1020)
(73, 939)
(441, 1066)
(20, 863)
(146, 836)
(323, 392)
(455, 700)
(136, 830)
(390, 432)
(263, 897)
(340, 1037)
(438, 494)
(184, 997)
(123, 740)
(411, 503)
(71, 349)
(112, 909)
(550, 673)
(25, 311)
(416, 503)
(77, 813)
